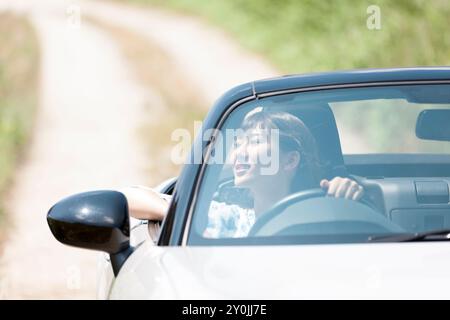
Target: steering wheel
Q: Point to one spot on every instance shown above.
(359, 211)
(278, 207)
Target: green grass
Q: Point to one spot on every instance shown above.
(308, 36)
(18, 92)
(299, 36)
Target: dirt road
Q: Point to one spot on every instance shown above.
(85, 138)
(85, 134)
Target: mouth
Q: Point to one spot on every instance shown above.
(241, 169)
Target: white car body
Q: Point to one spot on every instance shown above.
(342, 271)
(399, 234)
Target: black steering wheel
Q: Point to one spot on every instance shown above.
(297, 197)
(281, 205)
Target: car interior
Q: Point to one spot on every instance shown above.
(410, 190)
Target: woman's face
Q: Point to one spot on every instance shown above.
(249, 156)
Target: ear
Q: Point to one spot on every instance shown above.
(292, 160)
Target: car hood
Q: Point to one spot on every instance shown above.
(378, 271)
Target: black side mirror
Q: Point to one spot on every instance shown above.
(95, 220)
(433, 124)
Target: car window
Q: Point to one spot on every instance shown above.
(262, 178)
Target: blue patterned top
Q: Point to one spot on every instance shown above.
(228, 221)
(224, 220)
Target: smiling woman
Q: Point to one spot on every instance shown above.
(19, 56)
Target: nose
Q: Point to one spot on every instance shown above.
(241, 153)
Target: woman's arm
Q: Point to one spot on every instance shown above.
(145, 203)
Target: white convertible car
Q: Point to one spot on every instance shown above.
(248, 220)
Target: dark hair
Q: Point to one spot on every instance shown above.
(294, 136)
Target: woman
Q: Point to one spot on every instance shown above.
(299, 169)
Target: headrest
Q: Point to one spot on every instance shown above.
(322, 124)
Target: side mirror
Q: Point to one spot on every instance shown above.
(433, 124)
(95, 220)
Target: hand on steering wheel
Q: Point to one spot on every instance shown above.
(343, 188)
(281, 205)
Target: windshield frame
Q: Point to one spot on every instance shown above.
(186, 238)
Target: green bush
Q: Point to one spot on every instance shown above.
(309, 36)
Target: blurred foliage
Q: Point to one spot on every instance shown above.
(18, 90)
(299, 36)
(307, 36)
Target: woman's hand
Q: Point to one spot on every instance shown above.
(340, 187)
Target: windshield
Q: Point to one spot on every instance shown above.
(264, 176)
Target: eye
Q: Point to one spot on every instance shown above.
(257, 140)
(238, 141)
